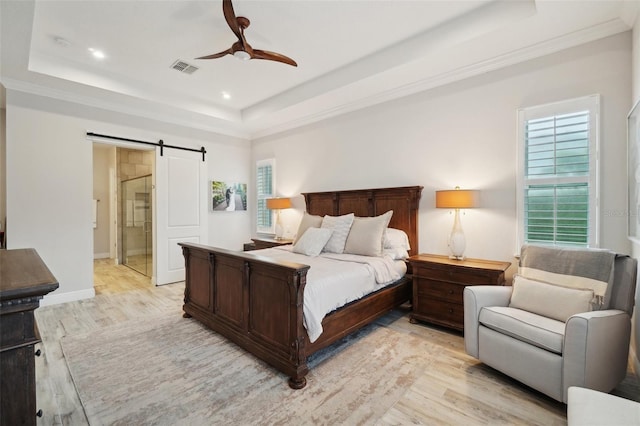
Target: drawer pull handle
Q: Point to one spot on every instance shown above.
(39, 413)
(450, 310)
(450, 291)
(38, 352)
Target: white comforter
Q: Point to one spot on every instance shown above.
(337, 279)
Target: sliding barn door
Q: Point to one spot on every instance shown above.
(181, 209)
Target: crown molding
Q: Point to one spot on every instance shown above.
(629, 12)
(151, 110)
(547, 47)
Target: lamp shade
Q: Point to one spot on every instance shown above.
(457, 199)
(278, 203)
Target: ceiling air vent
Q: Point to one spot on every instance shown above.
(184, 67)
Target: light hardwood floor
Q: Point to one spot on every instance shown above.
(121, 295)
(456, 390)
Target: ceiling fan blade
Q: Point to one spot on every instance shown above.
(217, 55)
(230, 16)
(272, 56)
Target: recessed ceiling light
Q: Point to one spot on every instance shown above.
(98, 54)
(226, 95)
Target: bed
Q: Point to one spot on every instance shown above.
(257, 301)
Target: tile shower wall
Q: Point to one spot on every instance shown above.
(131, 164)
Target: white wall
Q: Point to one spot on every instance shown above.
(636, 60)
(463, 134)
(233, 164)
(50, 181)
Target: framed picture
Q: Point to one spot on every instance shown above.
(229, 197)
(633, 172)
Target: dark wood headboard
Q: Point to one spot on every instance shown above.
(404, 202)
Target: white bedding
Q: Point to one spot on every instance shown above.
(337, 279)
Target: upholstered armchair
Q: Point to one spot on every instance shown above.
(565, 321)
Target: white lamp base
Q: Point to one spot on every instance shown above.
(457, 241)
(279, 227)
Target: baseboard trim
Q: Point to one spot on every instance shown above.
(70, 296)
(101, 255)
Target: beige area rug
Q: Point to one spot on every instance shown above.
(170, 371)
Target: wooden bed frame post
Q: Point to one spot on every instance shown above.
(298, 381)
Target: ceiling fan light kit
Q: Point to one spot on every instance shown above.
(241, 49)
(242, 55)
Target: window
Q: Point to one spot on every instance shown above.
(265, 188)
(558, 173)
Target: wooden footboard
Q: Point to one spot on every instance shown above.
(257, 303)
(254, 301)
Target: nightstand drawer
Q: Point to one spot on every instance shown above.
(442, 312)
(463, 276)
(439, 290)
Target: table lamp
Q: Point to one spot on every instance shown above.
(278, 204)
(457, 199)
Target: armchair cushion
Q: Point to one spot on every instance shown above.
(528, 327)
(549, 300)
(576, 268)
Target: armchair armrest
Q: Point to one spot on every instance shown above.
(475, 298)
(596, 350)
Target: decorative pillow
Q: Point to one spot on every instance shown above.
(570, 267)
(312, 241)
(549, 300)
(396, 254)
(308, 221)
(340, 226)
(396, 238)
(365, 236)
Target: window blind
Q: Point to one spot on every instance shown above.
(557, 213)
(264, 190)
(557, 179)
(558, 146)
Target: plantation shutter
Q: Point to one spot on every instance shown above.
(265, 189)
(559, 185)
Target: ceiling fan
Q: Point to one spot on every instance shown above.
(241, 49)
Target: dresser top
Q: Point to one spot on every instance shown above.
(466, 263)
(24, 274)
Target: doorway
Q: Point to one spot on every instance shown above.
(137, 225)
(124, 197)
(174, 211)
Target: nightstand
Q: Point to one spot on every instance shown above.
(438, 283)
(268, 242)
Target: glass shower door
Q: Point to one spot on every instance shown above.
(136, 225)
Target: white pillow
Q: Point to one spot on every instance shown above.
(396, 238)
(396, 254)
(365, 236)
(340, 226)
(549, 300)
(312, 241)
(308, 221)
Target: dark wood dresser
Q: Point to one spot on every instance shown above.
(24, 280)
(438, 283)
